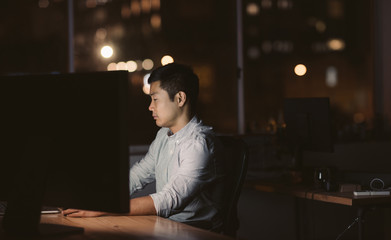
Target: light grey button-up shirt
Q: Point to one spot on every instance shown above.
(188, 174)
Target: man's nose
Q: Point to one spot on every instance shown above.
(150, 107)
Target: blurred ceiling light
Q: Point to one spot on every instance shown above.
(336, 44)
(91, 3)
(112, 66)
(125, 11)
(117, 31)
(252, 9)
(283, 46)
(166, 60)
(122, 66)
(146, 6)
(106, 51)
(156, 21)
(253, 52)
(331, 76)
(320, 26)
(101, 34)
(147, 64)
(43, 3)
(146, 85)
(102, 2)
(132, 66)
(100, 15)
(266, 4)
(300, 69)
(284, 4)
(335, 9)
(135, 7)
(155, 4)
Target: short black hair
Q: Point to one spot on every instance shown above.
(175, 77)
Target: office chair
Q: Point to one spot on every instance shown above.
(235, 162)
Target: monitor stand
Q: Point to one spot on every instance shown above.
(23, 213)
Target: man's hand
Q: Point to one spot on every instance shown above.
(138, 206)
(82, 213)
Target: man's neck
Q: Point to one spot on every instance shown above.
(181, 123)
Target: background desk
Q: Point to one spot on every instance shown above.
(362, 203)
(125, 227)
(344, 198)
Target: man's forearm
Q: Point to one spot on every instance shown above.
(142, 206)
(138, 206)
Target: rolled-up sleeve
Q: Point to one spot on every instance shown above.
(188, 179)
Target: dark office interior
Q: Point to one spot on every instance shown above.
(249, 61)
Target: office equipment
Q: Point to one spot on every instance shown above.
(371, 193)
(308, 128)
(63, 143)
(308, 123)
(235, 163)
(44, 209)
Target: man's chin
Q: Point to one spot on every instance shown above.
(158, 123)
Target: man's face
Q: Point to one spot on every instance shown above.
(164, 111)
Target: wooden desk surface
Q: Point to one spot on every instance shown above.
(124, 227)
(346, 198)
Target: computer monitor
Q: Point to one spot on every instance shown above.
(63, 142)
(308, 125)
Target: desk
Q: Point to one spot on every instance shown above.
(124, 227)
(347, 198)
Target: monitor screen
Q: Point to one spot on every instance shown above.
(308, 124)
(64, 142)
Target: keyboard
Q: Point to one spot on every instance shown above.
(44, 210)
(372, 193)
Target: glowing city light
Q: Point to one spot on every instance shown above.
(106, 51)
(146, 86)
(156, 21)
(166, 60)
(331, 76)
(300, 69)
(122, 66)
(132, 65)
(252, 9)
(336, 44)
(112, 66)
(147, 64)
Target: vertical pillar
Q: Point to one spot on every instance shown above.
(71, 67)
(382, 60)
(239, 42)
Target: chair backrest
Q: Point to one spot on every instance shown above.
(235, 155)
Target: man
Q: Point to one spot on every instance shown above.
(183, 159)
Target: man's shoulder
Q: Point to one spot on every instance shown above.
(200, 133)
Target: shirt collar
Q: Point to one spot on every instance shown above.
(186, 130)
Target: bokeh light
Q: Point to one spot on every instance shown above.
(132, 65)
(300, 69)
(146, 85)
(167, 59)
(147, 64)
(106, 51)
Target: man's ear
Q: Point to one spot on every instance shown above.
(181, 98)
